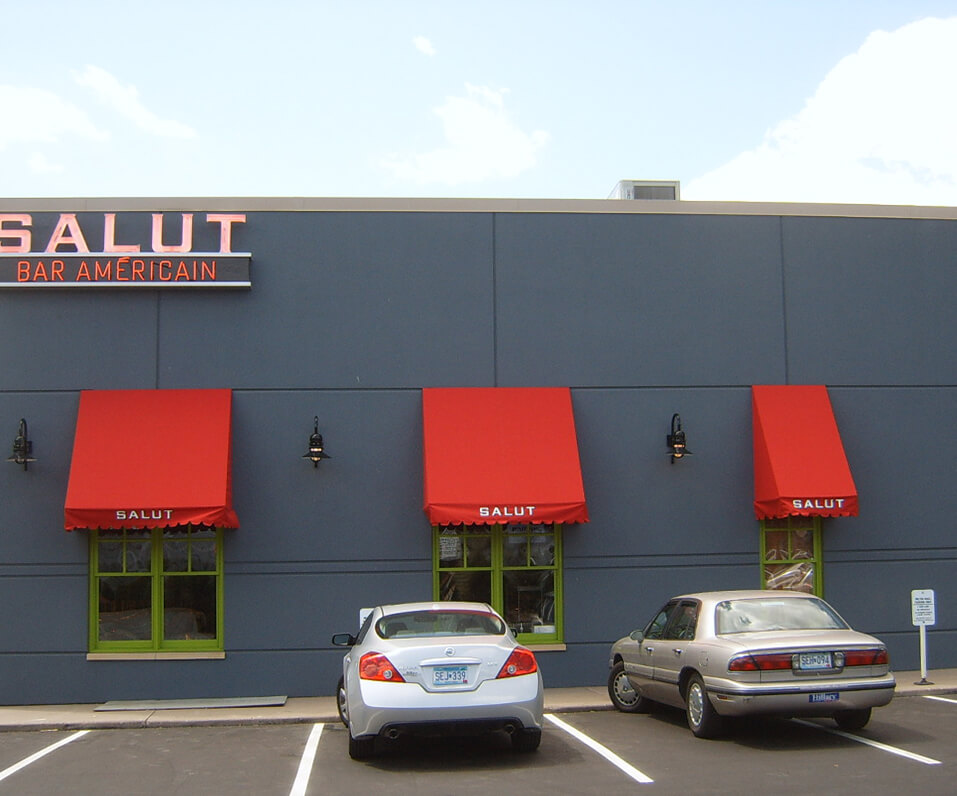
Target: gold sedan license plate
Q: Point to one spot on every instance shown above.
(815, 660)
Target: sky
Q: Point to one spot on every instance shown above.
(778, 100)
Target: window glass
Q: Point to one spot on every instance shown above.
(111, 556)
(203, 555)
(514, 568)
(790, 577)
(124, 609)
(516, 551)
(156, 589)
(683, 622)
(422, 624)
(802, 543)
(529, 600)
(138, 555)
(542, 548)
(468, 586)
(189, 607)
(656, 629)
(764, 614)
(175, 556)
(791, 554)
(478, 551)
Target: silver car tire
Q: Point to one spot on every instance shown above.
(703, 720)
(853, 719)
(624, 696)
(341, 702)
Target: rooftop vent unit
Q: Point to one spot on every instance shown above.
(647, 189)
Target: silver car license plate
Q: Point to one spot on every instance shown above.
(828, 697)
(450, 675)
(815, 660)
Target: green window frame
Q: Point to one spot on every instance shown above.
(517, 569)
(157, 589)
(791, 555)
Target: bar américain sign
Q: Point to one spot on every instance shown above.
(59, 255)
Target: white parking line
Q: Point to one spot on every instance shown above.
(876, 744)
(306, 761)
(42, 753)
(942, 699)
(610, 756)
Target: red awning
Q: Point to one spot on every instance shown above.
(151, 458)
(799, 462)
(501, 455)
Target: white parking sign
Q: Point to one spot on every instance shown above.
(922, 608)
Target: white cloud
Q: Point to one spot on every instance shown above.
(482, 143)
(32, 115)
(39, 164)
(880, 129)
(423, 45)
(125, 101)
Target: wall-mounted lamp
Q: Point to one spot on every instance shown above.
(315, 452)
(676, 440)
(22, 446)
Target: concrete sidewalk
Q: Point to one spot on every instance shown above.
(298, 710)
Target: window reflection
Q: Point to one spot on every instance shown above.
(189, 607)
(468, 586)
(792, 577)
(529, 597)
(124, 604)
(203, 555)
(175, 556)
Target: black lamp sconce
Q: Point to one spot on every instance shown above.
(315, 452)
(22, 446)
(676, 440)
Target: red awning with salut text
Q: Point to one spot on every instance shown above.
(799, 463)
(151, 458)
(501, 455)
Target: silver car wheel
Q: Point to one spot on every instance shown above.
(696, 699)
(624, 696)
(703, 720)
(624, 693)
(341, 702)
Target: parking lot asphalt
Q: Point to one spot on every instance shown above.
(305, 710)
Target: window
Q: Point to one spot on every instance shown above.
(683, 623)
(158, 589)
(791, 554)
(676, 621)
(514, 568)
(656, 628)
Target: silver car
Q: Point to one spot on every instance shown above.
(737, 653)
(437, 669)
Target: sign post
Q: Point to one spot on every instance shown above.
(923, 613)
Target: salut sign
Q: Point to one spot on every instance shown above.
(157, 250)
(802, 504)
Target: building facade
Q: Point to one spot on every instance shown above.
(168, 360)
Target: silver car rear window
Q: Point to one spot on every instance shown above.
(421, 624)
(763, 614)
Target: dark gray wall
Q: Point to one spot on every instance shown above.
(352, 313)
